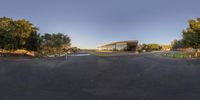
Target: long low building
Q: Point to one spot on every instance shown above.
(120, 46)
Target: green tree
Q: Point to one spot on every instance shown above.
(21, 34)
(33, 42)
(177, 44)
(154, 46)
(6, 33)
(191, 36)
(145, 47)
(15, 33)
(55, 43)
(23, 30)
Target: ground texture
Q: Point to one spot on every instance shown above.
(131, 77)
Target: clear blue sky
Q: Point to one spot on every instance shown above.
(90, 23)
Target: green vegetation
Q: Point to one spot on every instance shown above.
(177, 44)
(154, 47)
(178, 55)
(108, 53)
(23, 35)
(191, 36)
(15, 34)
(148, 47)
(101, 53)
(33, 42)
(55, 44)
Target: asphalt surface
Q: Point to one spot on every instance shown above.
(141, 77)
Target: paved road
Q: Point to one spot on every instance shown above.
(144, 77)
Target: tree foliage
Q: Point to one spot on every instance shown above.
(178, 44)
(191, 36)
(14, 34)
(21, 34)
(148, 47)
(6, 33)
(23, 31)
(55, 43)
(154, 46)
(33, 42)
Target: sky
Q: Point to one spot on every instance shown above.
(90, 23)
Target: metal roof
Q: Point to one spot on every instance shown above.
(128, 41)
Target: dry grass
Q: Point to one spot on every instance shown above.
(18, 52)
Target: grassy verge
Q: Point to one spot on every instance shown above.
(100, 53)
(178, 54)
(122, 53)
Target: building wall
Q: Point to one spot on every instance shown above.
(108, 48)
(119, 46)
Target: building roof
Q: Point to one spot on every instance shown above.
(133, 42)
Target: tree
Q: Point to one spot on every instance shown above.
(6, 33)
(191, 36)
(148, 47)
(154, 47)
(55, 43)
(33, 42)
(166, 47)
(22, 34)
(178, 44)
(23, 31)
(15, 33)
